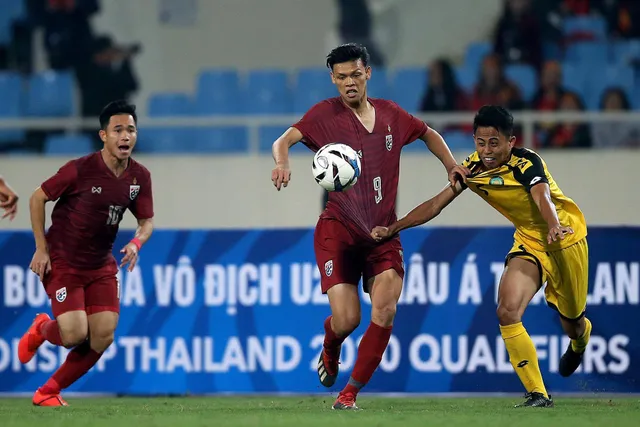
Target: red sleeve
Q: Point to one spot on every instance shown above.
(413, 127)
(62, 182)
(142, 207)
(309, 125)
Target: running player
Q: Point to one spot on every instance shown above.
(345, 252)
(8, 200)
(550, 244)
(74, 259)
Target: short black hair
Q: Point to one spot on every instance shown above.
(348, 52)
(115, 108)
(496, 117)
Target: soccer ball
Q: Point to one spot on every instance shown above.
(336, 167)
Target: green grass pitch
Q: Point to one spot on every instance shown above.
(316, 411)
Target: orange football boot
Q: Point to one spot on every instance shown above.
(41, 399)
(32, 339)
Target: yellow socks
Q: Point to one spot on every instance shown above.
(523, 357)
(580, 344)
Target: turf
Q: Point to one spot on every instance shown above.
(315, 411)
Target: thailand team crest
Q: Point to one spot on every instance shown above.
(389, 142)
(328, 268)
(61, 294)
(133, 191)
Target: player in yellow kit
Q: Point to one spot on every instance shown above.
(549, 243)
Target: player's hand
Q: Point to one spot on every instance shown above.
(380, 233)
(280, 176)
(557, 233)
(41, 263)
(8, 201)
(457, 173)
(130, 256)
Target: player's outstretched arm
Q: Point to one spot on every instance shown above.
(281, 175)
(8, 200)
(40, 264)
(421, 214)
(542, 197)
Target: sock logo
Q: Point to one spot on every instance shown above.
(523, 363)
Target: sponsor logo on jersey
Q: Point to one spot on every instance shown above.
(496, 180)
(328, 268)
(61, 294)
(535, 180)
(389, 142)
(96, 190)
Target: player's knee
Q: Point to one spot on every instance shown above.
(573, 328)
(509, 312)
(101, 340)
(383, 314)
(73, 337)
(346, 323)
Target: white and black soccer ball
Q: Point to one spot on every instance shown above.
(336, 167)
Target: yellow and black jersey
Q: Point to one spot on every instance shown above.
(507, 189)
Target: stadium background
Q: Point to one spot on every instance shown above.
(225, 298)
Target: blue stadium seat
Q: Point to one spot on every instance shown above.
(574, 78)
(268, 134)
(10, 10)
(588, 53)
(50, 94)
(170, 104)
(267, 92)
(588, 26)
(312, 86)
(378, 86)
(408, 87)
(611, 76)
(68, 145)
(551, 51)
(11, 92)
(459, 141)
(165, 140)
(416, 147)
(218, 93)
(475, 53)
(625, 51)
(525, 77)
(467, 78)
(222, 140)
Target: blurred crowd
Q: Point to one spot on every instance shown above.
(531, 32)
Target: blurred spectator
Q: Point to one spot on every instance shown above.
(68, 31)
(355, 26)
(623, 18)
(615, 134)
(548, 96)
(494, 88)
(569, 135)
(443, 92)
(517, 35)
(106, 74)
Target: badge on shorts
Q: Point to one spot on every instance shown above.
(61, 294)
(328, 268)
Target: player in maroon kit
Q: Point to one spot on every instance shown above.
(74, 260)
(8, 200)
(377, 129)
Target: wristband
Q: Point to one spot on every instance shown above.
(136, 242)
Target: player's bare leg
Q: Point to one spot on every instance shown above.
(69, 329)
(344, 319)
(579, 330)
(519, 283)
(385, 289)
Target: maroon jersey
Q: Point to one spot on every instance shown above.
(372, 200)
(91, 202)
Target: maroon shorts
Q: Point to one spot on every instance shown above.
(343, 259)
(73, 289)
